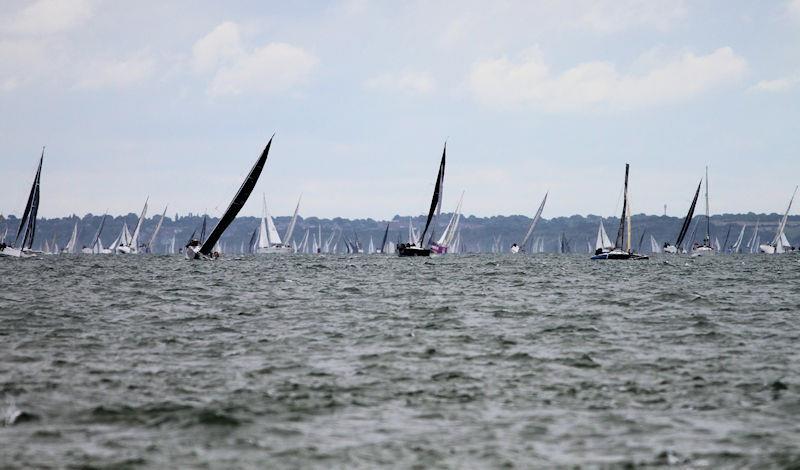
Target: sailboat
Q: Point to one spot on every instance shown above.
(269, 241)
(22, 247)
(622, 246)
(131, 245)
(149, 246)
(382, 247)
(418, 248)
(70, 249)
(706, 248)
(96, 247)
(654, 248)
(603, 244)
(521, 247)
(780, 244)
(687, 221)
(442, 245)
(737, 246)
(196, 250)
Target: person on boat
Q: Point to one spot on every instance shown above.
(193, 243)
(514, 248)
(2, 246)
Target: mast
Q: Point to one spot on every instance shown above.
(436, 200)
(707, 239)
(620, 242)
(687, 221)
(237, 202)
(203, 229)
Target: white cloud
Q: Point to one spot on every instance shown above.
(777, 85)
(608, 16)
(117, 74)
(530, 82)
(406, 82)
(271, 68)
(49, 16)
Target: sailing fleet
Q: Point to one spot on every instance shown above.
(266, 239)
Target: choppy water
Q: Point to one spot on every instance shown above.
(471, 361)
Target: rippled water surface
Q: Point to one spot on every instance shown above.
(458, 361)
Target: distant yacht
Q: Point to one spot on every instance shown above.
(622, 246)
(195, 249)
(22, 247)
(129, 244)
(521, 247)
(269, 241)
(687, 221)
(780, 244)
(417, 248)
(705, 248)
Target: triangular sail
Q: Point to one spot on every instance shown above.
(654, 248)
(782, 225)
(620, 242)
(134, 244)
(272, 231)
(237, 202)
(28, 220)
(449, 232)
(603, 242)
(382, 248)
(738, 244)
(687, 221)
(436, 201)
(73, 241)
(155, 232)
(96, 239)
(290, 230)
(535, 221)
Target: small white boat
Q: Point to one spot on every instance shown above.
(129, 245)
(269, 241)
(780, 244)
(521, 247)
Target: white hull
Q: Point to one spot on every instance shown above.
(10, 252)
(768, 249)
(671, 249)
(702, 251)
(274, 249)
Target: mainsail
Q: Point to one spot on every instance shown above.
(134, 242)
(536, 221)
(289, 231)
(449, 232)
(688, 219)
(620, 242)
(28, 221)
(155, 232)
(96, 240)
(383, 243)
(237, 202)
(736, 248)
(73, 241)
(436, 201)
(654, 248)
(782, 225)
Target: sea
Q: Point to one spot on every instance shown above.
(369, 361)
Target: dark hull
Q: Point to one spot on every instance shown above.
(413, 251)
(616, 255)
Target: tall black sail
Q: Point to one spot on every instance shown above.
(238, 201)
(31, 207)
(620, 242)
(385, 236)
(436, 195)
(688, 220)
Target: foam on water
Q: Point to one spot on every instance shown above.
(364, 361)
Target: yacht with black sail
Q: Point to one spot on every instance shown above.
(418, 248)
(22, 247)
(687, 221)
(622, 246)
(196, 250)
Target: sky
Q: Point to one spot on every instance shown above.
(176, 99)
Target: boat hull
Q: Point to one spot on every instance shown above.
(407, 251)
(619, 255)
(10, 252)
(275, 249)
(438, 249)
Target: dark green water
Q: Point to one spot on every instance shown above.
(458, 361)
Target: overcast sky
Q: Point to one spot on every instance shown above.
(175, 100)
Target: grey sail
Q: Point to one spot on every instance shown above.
(436, 200)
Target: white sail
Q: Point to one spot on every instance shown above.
(782, 225)
(654, 247)
(535, 221)
(737, 246)
(263, 238)
(158, 227)
(784, 240)
(73, 241)
(290, 229)
(134, 241)
(603, 242)
(754, 241)
(450, 230)
(46, 248)
(272, 237)
(172, 245)
(412, 234)
(371, 247)
(717, 245)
